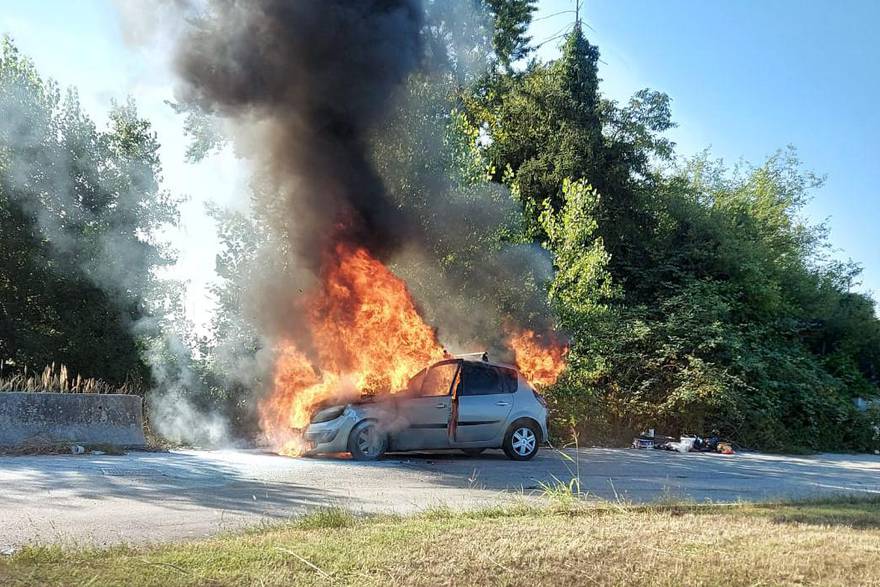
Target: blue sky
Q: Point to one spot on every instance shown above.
(746, 77)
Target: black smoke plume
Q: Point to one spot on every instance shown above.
(313, 77)
(309, 86)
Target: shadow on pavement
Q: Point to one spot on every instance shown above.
(174, 480)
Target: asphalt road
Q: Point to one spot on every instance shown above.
(151, 497)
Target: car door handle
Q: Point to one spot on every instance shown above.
(440, 406)
(502, 403)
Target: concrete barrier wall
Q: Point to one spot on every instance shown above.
(84, 418)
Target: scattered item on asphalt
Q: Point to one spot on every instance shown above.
(650, 440)
(643, 442)
(707, 444)
(725, 448)
(684, 444)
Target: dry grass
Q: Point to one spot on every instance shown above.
(54, 379)
(830, 542)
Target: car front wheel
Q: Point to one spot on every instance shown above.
(367, 442)
(521, 441)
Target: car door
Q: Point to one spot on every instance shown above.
(423, 415)
(485, 398)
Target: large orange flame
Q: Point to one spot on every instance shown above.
(539, 359)
(367, 338)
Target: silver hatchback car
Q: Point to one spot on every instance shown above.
(458, 403)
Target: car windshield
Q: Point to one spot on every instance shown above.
(434, 380)
(414, 386)
(438, 381)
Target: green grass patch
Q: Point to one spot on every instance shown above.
(834, 541)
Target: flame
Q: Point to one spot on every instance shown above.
(367, 337)
(539, 359)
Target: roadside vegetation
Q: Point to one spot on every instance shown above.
(831, 542)
(57, 380)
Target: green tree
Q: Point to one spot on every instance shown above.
(550, 123)
(79, 211)
(511, 19)
(581, 284)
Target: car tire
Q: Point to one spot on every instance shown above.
(473, 452)
(367, 442)
(521, 441)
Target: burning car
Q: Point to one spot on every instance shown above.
(465, 402)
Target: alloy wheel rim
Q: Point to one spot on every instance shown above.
(367, 441)
(524, 441)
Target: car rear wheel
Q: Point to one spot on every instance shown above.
(521, 441)
(367, 442)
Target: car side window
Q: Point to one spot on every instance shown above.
(509, 380)
(438, 380)
(479, 380)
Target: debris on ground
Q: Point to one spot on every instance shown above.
(684, 444)
(643, 443)
(725, 448)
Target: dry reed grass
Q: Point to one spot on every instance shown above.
(55, 380)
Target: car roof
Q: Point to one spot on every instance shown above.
(478, 361)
